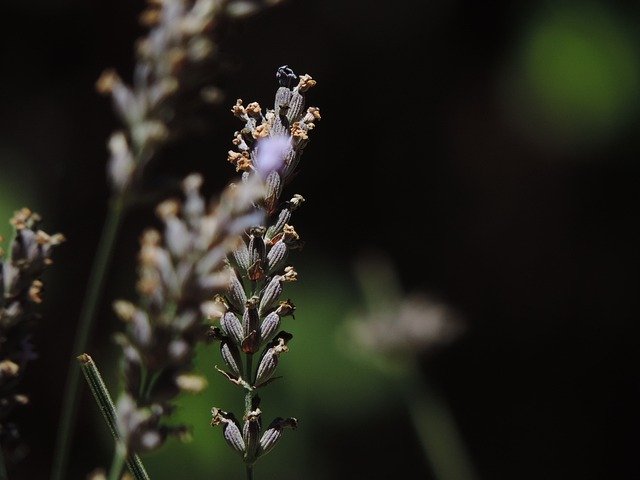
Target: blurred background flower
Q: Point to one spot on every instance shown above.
(504, 181)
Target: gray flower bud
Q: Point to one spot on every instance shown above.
(121, 164)
(274, 188)
(251, 323)
(236, 294)
(272, 435)
(277, 256)
(296, 107)
(230, 429)
(251, 434)
(270, 359)
(271, 294)
(283, 219)
(141, 330)
(269, 326)
(176, 236)
(241, 256)
(257, 254)
(231, 326)
(231, 357)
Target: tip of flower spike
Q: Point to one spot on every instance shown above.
(83, 358)
(286, 77)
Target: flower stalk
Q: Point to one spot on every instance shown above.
(108, 410)
(88, 312)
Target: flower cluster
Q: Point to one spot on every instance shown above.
(20, 289)
(418, 324)
(175, 60)
(269, 147)
(397, 326)
(179, 272)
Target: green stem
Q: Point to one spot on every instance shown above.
(249, 374)
(87, 315)
(436, 428)
(3, 468)
(248, 401)
(108, 409)
(119, 455)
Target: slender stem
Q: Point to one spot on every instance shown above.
(248, 401)
(87, 316)
(108, 409)
(436, 428)
(117, 464)
(3, 468)
(249, 374)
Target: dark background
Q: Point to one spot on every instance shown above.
(489, 148)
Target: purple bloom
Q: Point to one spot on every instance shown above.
(271, 154)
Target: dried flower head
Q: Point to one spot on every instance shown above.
(175, 60)
(20, 290)
(269, 147)
(180, 270)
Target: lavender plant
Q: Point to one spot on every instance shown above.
(179, 270)
(20, 291)
(394, 334)
(174, 67)
(269, 146)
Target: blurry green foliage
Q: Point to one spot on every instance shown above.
(16, 189)
(579, 64)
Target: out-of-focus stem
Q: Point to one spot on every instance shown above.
(436, 429)
(87, 315)
(108, 409)
(249, 472)
(119, 455)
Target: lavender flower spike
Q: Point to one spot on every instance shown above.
(268, 148)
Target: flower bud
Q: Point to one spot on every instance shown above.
(251, 323)
(277, 256)
(272, 435)
(236, 295)
(269, 360)
(241, 256)
(231, 326)
(231, 356)
(251, 433)
(283, 219)
(271, 294)
(230, 429)
(269, 326)
(274, 187)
